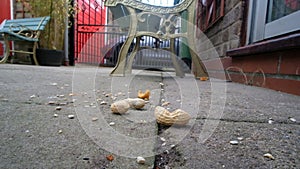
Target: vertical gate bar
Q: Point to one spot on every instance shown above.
(82, 54)
(90, 45)
(90, 54)
(88, 26)
(87, 44)
(94, 47)
(89, 14)
(77, 38)
(95, 11)
(86, 48)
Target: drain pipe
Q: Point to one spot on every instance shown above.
(66, 42)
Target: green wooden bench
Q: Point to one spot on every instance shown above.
(27, 29)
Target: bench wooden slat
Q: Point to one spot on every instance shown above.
(34, 24)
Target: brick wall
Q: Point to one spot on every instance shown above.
(269, 68)
(224, 34)
(277, 70)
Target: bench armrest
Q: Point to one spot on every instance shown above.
(22, 30)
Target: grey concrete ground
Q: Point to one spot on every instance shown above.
(36, 135)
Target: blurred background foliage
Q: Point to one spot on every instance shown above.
(59, 11)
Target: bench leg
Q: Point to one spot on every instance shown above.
(35, 45)
(178, 69)
(132, 56)
(120, 67)
(199, 68)
(6, 50)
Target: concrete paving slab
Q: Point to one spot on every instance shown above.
(254, 140)
(259, 119)
(36, 135)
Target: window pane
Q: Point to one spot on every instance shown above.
(280, 8)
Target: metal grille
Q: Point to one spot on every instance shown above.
(90, 29)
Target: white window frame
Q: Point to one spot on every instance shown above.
(259, 30)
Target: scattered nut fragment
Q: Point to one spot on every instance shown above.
(55, 115)
(58, 108)
(103, 103)
(268, 155)
(71, 116)
(161, 84)
(63, 104)
(145, 95)
(110, 157)
(240, 138)
(292, 119)
(270, 121)
(33, 96)
(234, 142)
(112, 123)
(94, 119)
(140, 160)
(53, 84)
(59, 131)
(203, 78)
(143, 121)
(120, 107)
(136, 103)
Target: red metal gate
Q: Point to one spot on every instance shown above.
(4, 14)
(89, 31)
